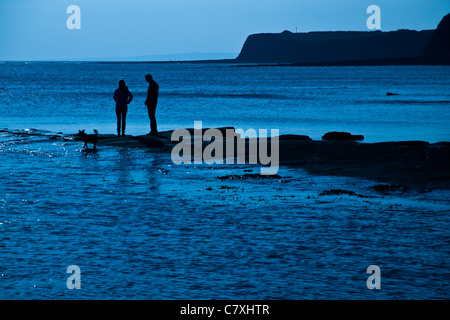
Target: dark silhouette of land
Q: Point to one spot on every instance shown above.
(322, 47)
(402, 47)
(340, 48)
(438, 49)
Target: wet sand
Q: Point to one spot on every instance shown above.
(413, 164)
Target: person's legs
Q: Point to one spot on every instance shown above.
(124, 121)
(119, 116)
(152, 116)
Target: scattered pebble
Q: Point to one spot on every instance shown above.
(249, 176)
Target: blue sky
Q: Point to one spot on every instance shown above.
(36, 29)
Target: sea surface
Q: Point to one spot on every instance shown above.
(67, 96)
(140, 227)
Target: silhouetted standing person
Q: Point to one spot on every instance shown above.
(151, 102)
(122, 97)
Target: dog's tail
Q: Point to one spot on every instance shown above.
(96, 132)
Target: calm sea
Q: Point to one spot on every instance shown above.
(140, 227)
(65, 97)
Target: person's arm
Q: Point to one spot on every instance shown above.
(115, 95)
(146, 101)
(130, 97)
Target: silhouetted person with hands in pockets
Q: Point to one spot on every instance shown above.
(151, 102)
(122, 97)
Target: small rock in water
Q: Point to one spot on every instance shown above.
(337, 192)
(228, 187)
(388, 188)
(249, 176)
(343, 136)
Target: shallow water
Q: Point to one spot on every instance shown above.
(140, 227)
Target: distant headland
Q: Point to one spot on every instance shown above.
(401, 47)
(332, 48)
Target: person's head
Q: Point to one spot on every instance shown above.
(149, 78)
(122, 84)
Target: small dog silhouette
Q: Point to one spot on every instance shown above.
(92, 138)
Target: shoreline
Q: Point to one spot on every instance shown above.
(413, 164)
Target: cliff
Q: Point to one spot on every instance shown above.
(438, 49)
(317, 47)
(352, 47)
